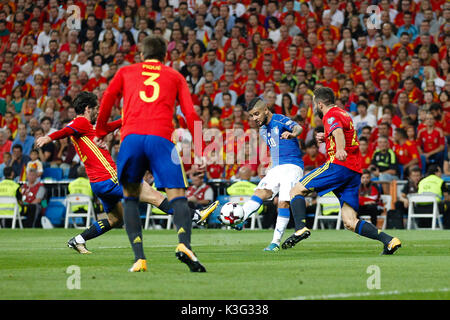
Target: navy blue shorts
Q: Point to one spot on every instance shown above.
(333, 177)
(139, 153)
(109, 193)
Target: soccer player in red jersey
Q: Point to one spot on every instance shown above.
(149, 90)
(341, 174)
(101, 171)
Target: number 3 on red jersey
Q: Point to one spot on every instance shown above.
(152, 76)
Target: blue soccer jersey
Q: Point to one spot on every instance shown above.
(282, 151)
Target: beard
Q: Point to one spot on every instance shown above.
(319, 114)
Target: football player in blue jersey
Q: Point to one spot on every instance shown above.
(280, 133)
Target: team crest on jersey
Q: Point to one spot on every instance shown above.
(330, 121)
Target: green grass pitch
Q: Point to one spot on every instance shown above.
(329, 265)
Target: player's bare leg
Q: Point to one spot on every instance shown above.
(368, 230)
(298, 208)
(133, 225)
(183, 224)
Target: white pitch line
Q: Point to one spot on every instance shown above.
(366, 294)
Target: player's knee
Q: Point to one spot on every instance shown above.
(115, 221)
(349, 225)
(298, 189)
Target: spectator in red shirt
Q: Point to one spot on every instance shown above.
(406, 152)
(313, 157)
(366, 154)
(96, 80)
(432, 142)
(369, 198)
(329, 80)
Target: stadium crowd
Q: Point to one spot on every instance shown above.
(390, 71)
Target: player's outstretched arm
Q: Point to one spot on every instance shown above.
(64, 132)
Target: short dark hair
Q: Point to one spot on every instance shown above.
(84, 100)
(402, 132)
(432, 169)
(435, 107)
(415, 169)
(363, 139)
(46, 118)
(17, 146)
(362, 103)
(311, 143)
(154, 47)
(325, 95)
(7, 171)
(253, 103)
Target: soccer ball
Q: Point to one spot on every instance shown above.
(231, 213)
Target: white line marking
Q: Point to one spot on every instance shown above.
(365, 294)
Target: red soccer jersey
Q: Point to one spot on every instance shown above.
(406, 152)
(316, 162)
(430, 141)
(337, 118)
(98, 162)
(365, 160)
(149, 90)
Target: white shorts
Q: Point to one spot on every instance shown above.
(280, 180)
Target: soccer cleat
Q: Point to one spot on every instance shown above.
(272, 247)
(138, 266)
(298, 236)
(79, 247)
(392, 246)
(188, 257)
(204, 214)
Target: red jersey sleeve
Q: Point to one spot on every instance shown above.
(111, 126)
(76, 126)
(112, 92)
(187, 107)
(332, 121)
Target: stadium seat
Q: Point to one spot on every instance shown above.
(159, 215)
(10, 212)
(77, 200)
(255, 218)
(387, 203)
(53, 173)
(319, 216)
(55, 211)
(423, 198)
